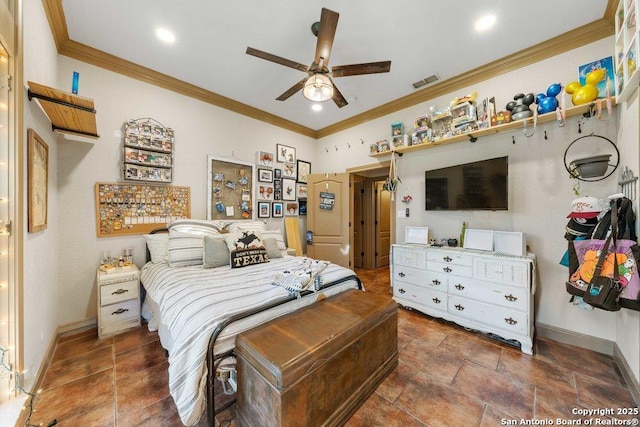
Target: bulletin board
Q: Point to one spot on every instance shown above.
(124, 209)
(230, 188)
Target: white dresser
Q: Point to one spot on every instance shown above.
(118, 300)
(480, 290)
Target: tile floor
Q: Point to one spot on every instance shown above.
(446, 376)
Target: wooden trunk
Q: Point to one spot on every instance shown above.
(316, 366)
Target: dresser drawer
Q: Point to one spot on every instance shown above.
(421, 295)
(410, 257)
(449, 257)
(496, 316)
(436, 280)
(410, 275)
(110, 294)
(450, 269)
(507, 296)
(120, 312)
(500, 271)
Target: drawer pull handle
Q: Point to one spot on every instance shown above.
(459, 307)
(436, 282)
(459, 287)
(401, 274)
(510, 298)
(437, 301)
(510, 321)
(402, 291)
(120, 311)
(447, 270)
(447, 259)
(120, 291)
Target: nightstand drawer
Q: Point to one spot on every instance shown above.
(116, 292)
(112, 328)
(119, 312)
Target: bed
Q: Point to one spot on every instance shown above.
(198, 306)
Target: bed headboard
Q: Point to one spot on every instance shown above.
(157, 230)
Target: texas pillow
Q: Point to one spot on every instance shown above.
(246, 248)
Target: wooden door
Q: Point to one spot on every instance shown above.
(383, 225)
(358, 224)
(328, 217)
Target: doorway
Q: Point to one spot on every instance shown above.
(373, 230)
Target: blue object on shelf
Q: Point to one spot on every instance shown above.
(75, 83)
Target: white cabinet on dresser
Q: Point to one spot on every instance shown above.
(479, 290)
(118, 300)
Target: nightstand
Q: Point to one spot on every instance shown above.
(118, 300)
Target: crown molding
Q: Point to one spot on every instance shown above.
(573, 39)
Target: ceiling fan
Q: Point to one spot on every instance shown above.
(318, 85)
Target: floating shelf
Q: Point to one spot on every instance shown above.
(474, 135)
(68, 113)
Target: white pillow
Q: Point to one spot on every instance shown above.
(247, 225)
(199, 227)
(276, 234)
(216, 252)
(184, 249)
(157, 245)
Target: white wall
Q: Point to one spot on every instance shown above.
(200, 129)
(40, 249)
(540, 191)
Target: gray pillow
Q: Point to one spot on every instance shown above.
(271, 245)
(216, 253)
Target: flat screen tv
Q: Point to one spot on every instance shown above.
(481, 185)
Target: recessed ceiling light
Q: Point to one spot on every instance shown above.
(316, 107)
(165, 35)
(485, 22)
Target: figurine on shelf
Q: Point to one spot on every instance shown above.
(519, 107)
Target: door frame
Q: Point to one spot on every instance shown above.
(374, 170)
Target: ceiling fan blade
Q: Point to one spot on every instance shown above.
(276, 59)
(337, 96)
(358, 69)
(292, 90)
(326, 33)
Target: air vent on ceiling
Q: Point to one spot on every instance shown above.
(432, 78)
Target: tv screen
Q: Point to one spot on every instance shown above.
(471, 186)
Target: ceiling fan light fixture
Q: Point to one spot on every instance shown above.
(318, 88)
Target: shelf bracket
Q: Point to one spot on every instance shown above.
(31, 95)
(472, 138)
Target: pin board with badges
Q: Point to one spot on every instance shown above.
(230, 188)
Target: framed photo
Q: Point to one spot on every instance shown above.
(265, 192)
(302, 206)
(289, 170)
(288, 189)
(301, 190)
(265, 175)
(304, 169)
(277, 173)
(285, 154)
(38, 181)
(265, 159)
(607, 64)
(276, 209)
(291, 208)
(264, 209)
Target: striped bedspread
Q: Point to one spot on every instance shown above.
(193, 301)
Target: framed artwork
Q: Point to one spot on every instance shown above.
(265, 192)
(265, 159)
(276, 209)
(285, 154)
(301, 190)
(291, 208)
(277, 189)
(277, 173)
(264, 209)
(230, 186)
(265, 175)
(288, 189)
(302, 206)
(607, 64)
(304, 169)
(38, 181)
(289, 170)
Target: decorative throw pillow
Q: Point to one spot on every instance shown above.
(277, 235)
(200, 227)
(184, 249)
(216, 252)
(271, 246)
(246, 225)
(246, 248)
(157, 245)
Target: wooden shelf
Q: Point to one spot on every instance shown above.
(67, 112)
(472, 136)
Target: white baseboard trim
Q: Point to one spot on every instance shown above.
(76, 327)
(600, 345)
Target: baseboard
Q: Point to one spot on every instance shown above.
(76, 327)
(575, 338)
(600, 345)
(627, 373)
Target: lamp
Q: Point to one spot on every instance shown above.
(318, 88)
